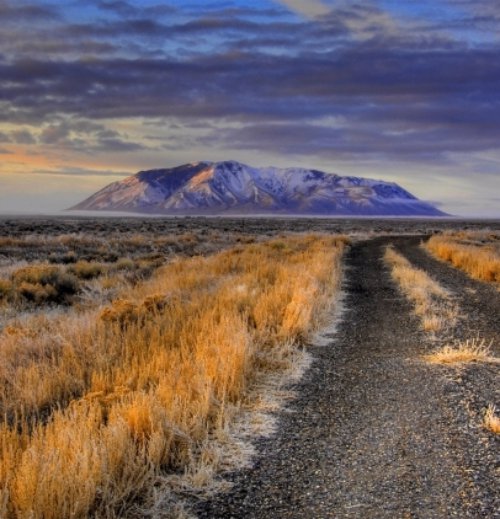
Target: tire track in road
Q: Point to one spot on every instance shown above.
(374, 431)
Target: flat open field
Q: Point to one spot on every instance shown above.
(249, 368)
(21, 226)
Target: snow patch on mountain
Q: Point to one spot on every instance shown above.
(232, 187)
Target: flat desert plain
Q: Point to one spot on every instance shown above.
(249, 367)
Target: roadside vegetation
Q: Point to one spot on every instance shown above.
(464, 352)
(62, 271)
(432, 302)
(434, 306)
(102, 402)
(492, 420)
(476, 253)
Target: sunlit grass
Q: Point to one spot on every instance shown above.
(431, 301)
(465, 352)
(491, 420)
(477, 255)
(99, 404)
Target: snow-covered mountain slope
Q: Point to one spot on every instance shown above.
(231, 187)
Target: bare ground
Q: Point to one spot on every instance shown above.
(375, 432)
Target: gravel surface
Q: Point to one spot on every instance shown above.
(477, 385)
(376, 432)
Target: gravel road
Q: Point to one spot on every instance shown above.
(374, 431)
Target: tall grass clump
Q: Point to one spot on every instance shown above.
(476, 258)
(492, 420)
(98, 407)
(462, 353)
(431, 301)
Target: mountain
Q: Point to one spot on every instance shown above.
(231, 187)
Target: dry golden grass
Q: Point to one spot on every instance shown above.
(99, 405)
(54, 268)
(476, 254)
(432, 302)
(465, 352)
(491, 420)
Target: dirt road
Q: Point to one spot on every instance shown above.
(375, 432)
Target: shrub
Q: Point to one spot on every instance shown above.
(5, 288)
(87, 269)
(45, 283)
(66, 258)
(36, 292)
(36, 274)
(121, 311)
(124, 264)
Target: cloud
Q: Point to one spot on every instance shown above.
(83, 172)
(22, 137)
(4, 137)
(118, 7)
(86, 136)
(371, 82)
(54, 134)
(115, 144)
(225, 76)
(13, 12)
(126, 9)
(347, 142)
(309, 8)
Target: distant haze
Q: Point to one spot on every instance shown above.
(406, 92)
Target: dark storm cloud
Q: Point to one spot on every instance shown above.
(392, 89)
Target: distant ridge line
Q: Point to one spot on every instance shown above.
(230, 187)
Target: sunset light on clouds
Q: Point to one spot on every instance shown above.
(403, 91)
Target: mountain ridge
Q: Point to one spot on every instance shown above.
(230, 187)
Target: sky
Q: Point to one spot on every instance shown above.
(403, 91)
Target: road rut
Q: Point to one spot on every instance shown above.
(374, 432)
